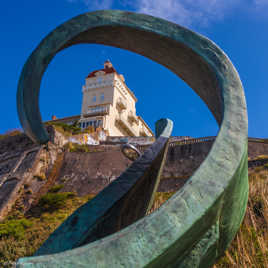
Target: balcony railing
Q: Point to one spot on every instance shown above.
(143, 132)
(97, 110)
(121, 104)
(124, 124)
(133, 118)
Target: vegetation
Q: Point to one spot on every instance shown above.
(262, 156)
(22, 235)
(159, 199)
(56, 188)
(250, 246)
(53, 201)
(81, 148)
(14, 228)
(9, 133)
(69, 130)
(66, 129)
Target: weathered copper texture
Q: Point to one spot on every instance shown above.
(195, 226)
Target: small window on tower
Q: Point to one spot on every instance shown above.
(102, 97)
(94, 98)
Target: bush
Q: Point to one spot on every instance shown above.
(15, 228)
(67, 129)
(52, 201)
(56, 188)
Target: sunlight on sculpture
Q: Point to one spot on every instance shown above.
(196, 225)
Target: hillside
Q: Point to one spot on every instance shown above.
(40, 186)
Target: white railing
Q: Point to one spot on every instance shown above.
(132, 118)
(122, 120)
(97, 110)
(121, 104)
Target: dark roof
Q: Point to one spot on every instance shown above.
(107, 70)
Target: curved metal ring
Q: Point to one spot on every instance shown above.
(197, 224)
(130, 151)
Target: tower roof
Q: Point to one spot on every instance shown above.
(108, 68)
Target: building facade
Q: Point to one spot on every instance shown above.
(109, 104)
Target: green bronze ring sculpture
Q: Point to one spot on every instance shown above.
(195, 226)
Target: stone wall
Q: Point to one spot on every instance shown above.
(27, 171)
(21, 164)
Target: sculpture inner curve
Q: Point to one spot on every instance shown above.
(195, 213)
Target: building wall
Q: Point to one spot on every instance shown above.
(103, 92)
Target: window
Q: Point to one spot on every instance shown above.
(102, 97)
(94, 99)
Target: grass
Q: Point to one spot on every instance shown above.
(69, 130)
(159, 199)
(249, 249)
(14, 228)
(65, 129)
(54, 201)
(56, 188)
(250, 246)
(260, 157)
(81, 148)
(9, 133)
(22, 237)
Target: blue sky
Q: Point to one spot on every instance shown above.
(239, 27)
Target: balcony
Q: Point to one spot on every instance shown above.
(132, 118)
(97, 110)
(122, 123)
(143, 132)
(121, 104)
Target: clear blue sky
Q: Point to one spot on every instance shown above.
(239, 27)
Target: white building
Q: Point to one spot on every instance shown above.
(108, 103)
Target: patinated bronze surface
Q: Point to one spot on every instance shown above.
(196, 225)
(121, 203)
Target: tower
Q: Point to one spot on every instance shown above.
(108, 103)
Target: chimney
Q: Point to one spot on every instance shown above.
(107, 64)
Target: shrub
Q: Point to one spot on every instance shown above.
(14, 228)
(56, 188)
(66, 129)
(52, 201)
(261, 156)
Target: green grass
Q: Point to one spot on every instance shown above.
(14, 228)
(56, 188)
(81, 148)
(250, 247)
(9, 133)
(22, 237)
(53, 201)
